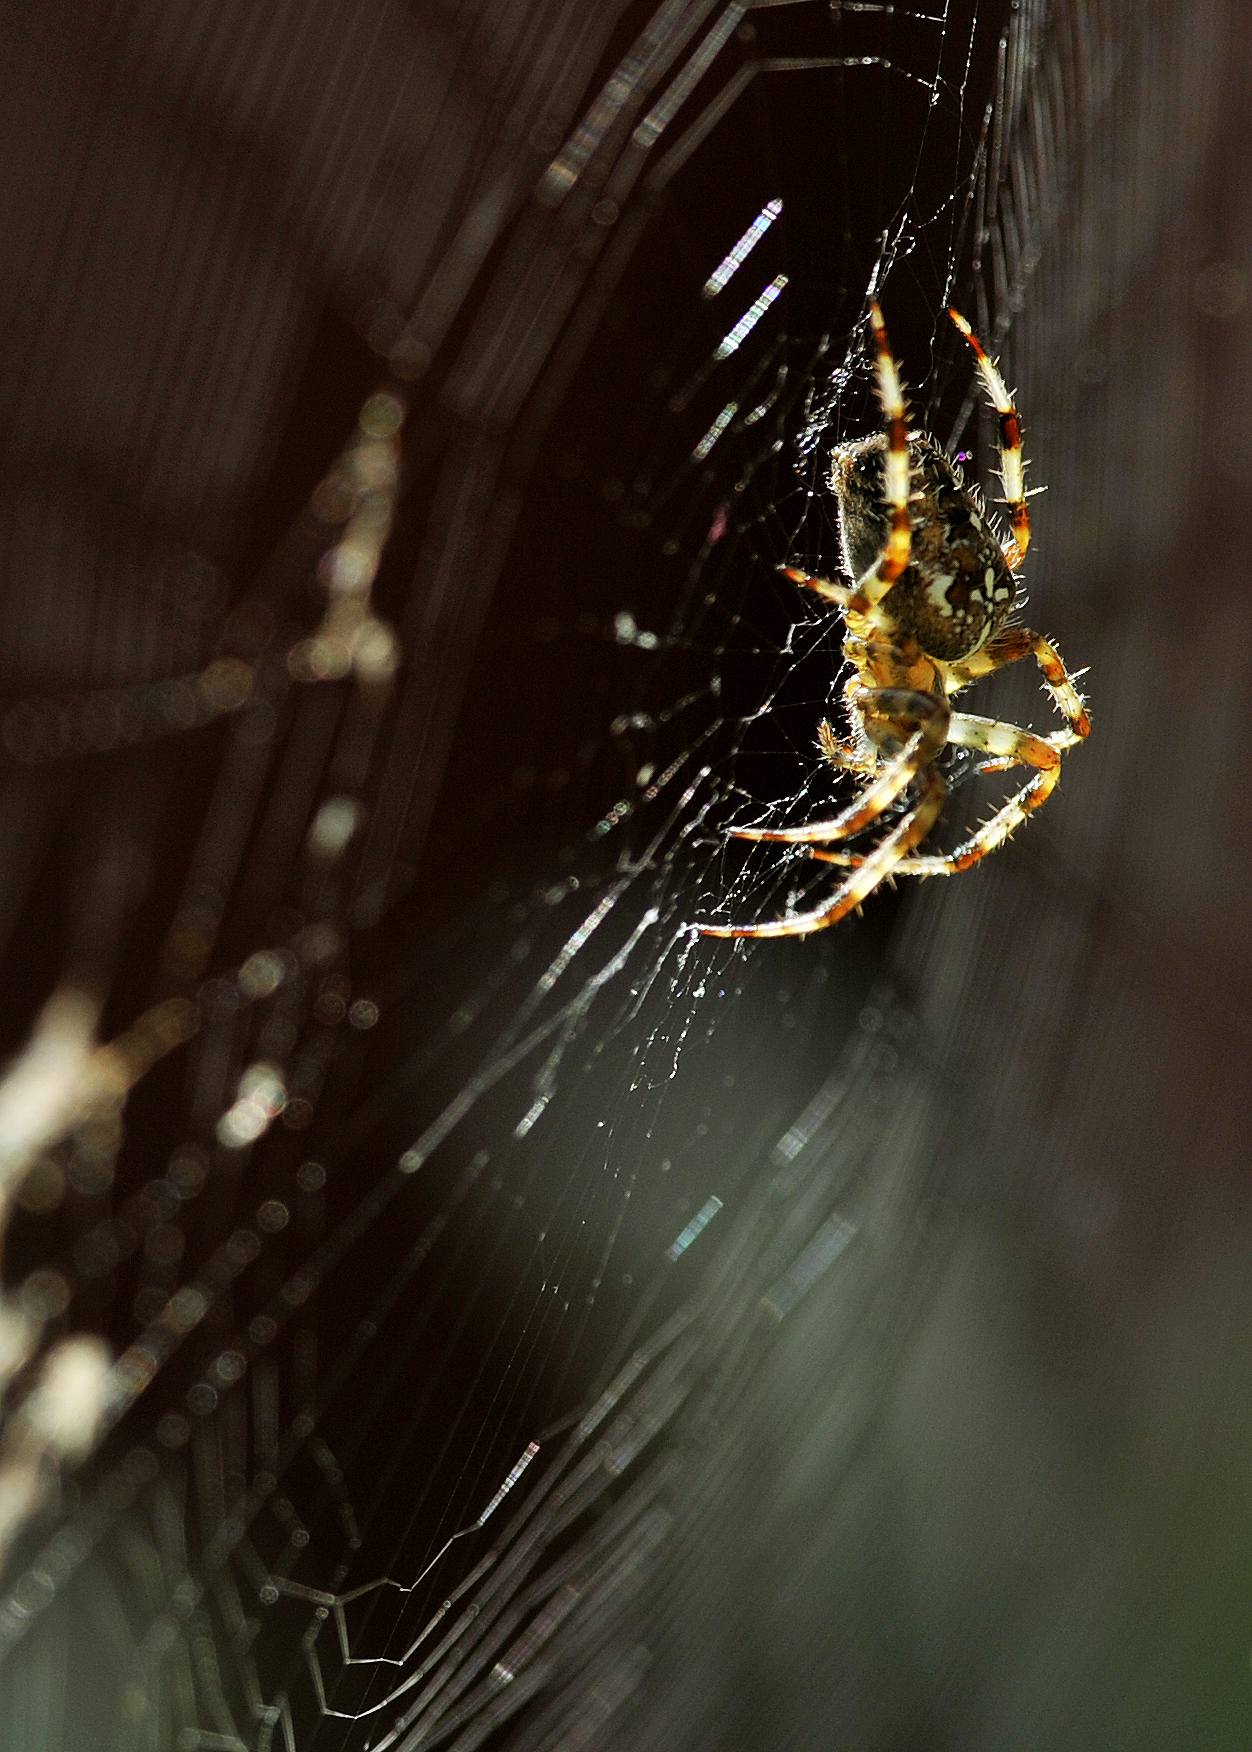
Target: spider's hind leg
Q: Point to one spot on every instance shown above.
(922, 719)
(1008, 746)
(928, 717)
(890, 855)
(1012, 645)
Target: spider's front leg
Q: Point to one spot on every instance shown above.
(1012, 464)
(877, 582)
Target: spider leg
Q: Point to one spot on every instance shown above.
(871, 589)
(1011, 746)
(845, 757)
(881, 863)
(823, 587)
(1009, 647)
(929, 713)
(1010, 445)
(1006, 744)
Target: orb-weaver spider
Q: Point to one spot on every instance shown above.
(927, 616)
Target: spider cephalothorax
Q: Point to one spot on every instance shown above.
(927, 614)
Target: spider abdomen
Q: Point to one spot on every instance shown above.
(957, 590)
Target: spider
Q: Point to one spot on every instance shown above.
(928, 615)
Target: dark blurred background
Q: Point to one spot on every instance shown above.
(880, 1302)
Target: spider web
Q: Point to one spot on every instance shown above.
(424, 1342)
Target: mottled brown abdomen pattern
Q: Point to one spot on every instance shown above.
(956, 591)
